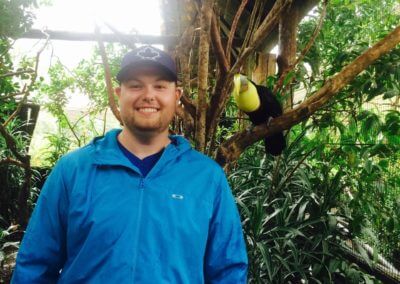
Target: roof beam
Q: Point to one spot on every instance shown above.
(111, 37)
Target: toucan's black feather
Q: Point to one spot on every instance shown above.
(269, 107)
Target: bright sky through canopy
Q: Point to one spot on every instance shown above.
(80, 15)
(127, 16)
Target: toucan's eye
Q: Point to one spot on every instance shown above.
(243, 80)
(244, 83)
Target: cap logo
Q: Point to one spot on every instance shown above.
(148, 53)
(145, 55)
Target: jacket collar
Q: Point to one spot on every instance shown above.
(107, 151)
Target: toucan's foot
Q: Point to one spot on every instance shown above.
(269, 120)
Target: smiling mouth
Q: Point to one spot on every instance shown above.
(147, 110)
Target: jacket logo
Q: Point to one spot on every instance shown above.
(177, 196)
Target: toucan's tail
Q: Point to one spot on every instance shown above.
(275, 144)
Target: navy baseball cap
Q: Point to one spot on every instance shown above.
(147, 55)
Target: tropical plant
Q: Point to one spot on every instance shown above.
(86, 80)
(15, 172)
(291, 210)
(360, 128)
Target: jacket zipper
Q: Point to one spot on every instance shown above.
(139, 218)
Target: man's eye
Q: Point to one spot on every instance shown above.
(135, 86)
(160, 86)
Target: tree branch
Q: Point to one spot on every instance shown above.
(183, 53)
(107, 74)
(16, 73)
(9, 96)
(186, 118)
(230, 150)
(254, 22)
(262, 32)
(17, 110)
(14, 162)
(233, 29)
(27, 88)
(222, 88)
(272, 39)
(189, 105)
(303, 53)
(217, 45)
(12, 144)
(71, 127)
(104, 122)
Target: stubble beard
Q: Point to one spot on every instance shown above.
(144, 126)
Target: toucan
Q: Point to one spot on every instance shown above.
(260, 104)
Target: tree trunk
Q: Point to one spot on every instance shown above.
(266, 66)
(204, 46)
(288, 45)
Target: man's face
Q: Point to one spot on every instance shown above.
(147, 101)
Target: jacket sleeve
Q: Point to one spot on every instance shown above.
(42, 252)
(226, 257)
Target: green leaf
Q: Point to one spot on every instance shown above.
(390, 94)
(368, 166)
(302, 208)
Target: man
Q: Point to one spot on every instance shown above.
(137, 205)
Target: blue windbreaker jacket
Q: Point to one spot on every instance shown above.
(98, 220)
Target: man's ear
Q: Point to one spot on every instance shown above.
(178, 93)
(117, 91)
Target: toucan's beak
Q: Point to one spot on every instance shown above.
(240, 84)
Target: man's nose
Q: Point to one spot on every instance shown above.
(148, 94)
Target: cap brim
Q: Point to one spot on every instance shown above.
(124, 73)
